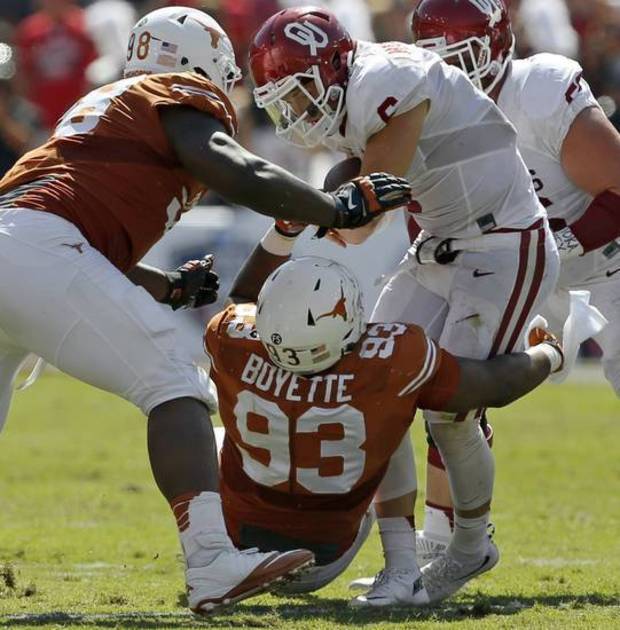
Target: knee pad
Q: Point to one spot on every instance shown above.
(468, 461)
(433, 456)
(400, 476)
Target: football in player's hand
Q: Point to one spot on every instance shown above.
(342, 172)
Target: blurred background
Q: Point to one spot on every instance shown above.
(53, 51)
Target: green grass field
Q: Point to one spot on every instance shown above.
(86, 540)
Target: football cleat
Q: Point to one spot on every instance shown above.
(394, 587)
(446, 575)
(235, 575)
(429, 547)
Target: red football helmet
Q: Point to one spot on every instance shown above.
(474, 35)
(299, 64)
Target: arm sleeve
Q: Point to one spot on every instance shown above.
(192, 90)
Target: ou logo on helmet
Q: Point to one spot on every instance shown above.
(307, 34)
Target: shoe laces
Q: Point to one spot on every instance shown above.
(382, 579)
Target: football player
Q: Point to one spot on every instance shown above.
(78, 214)
(316, 402)
(486, 258)
(573, 155)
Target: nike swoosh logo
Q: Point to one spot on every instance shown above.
(350, 203)
(481, 274)
(486, 559)
(418, 585)
(609, 274)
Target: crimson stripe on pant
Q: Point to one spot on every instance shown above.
(539, 269)
(532, 243)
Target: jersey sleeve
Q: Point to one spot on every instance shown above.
(213, 334)
(554, 94)
(442, 386)
(430, 375)
(233, 325)
(193, 90)
(382, 87)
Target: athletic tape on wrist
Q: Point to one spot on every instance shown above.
(553, 354)
(276, 243)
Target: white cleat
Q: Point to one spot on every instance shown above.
(361, 584)
(234, 575)
(446, 575)
(429, 547)
(394, 587)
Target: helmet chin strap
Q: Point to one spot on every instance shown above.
(498, 69)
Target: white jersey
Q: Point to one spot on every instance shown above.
(467, 175)
(542, 96)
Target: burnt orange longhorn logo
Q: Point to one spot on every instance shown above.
(339, 310)
(215, 36)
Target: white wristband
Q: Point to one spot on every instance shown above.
(276, 243)
(553, 354)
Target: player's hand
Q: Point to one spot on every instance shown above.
(430, 249)
(364, 198)
(538, 333)
(289, 229)
(193, 284)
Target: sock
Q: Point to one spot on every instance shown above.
(438, 520)
(398, 542)
(202, 529)
(469, 542)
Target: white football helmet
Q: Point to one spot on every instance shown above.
(176, 39)
(309, 313)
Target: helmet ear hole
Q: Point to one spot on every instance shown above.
(200, 71)
(336, 62)
(184, 61)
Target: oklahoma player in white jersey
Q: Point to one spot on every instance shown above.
(486, 258)
(573, 155)
(315, 402)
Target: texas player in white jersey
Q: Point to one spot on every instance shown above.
(485, 259)
(573, 155)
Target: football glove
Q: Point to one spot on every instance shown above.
(538, 333)
(435, 250)
(193, 284)
(363, 199)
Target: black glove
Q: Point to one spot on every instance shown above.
(365, 198)
(193, 284)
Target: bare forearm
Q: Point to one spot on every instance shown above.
(253, 182)
(223, 165)
(256, 269)
(152, 280)
(499, 381)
